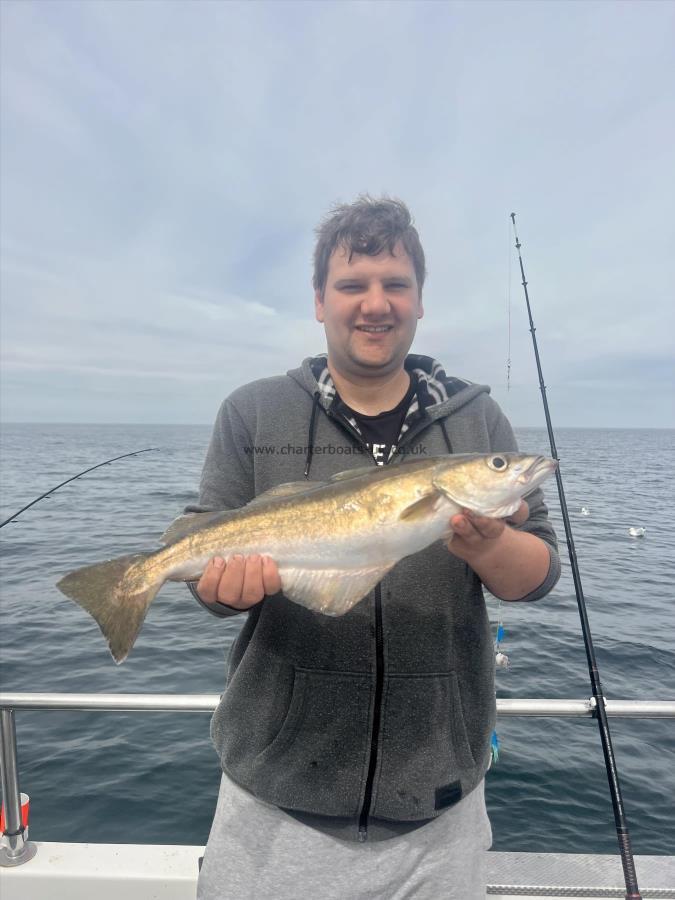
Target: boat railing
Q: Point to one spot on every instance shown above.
(18, 850)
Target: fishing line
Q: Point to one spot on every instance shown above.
(501, 662)
(79, 475)
(501, 659)
(630, 877)
(508, 308)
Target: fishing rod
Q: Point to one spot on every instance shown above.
(79, 475)
(630, 877)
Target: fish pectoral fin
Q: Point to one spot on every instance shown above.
(422, 508)
(332, 592)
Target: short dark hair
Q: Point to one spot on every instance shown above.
(366, 226)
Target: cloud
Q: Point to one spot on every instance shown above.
(163, 168)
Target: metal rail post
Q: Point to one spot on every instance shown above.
(16, 850)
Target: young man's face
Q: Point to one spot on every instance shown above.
(369, 310)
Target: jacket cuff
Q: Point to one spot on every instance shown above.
(220, 610)
(548, 583)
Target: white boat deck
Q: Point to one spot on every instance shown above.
(169, 872)
(576, 875)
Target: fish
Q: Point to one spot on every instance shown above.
(332, 541)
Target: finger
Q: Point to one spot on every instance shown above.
(464, 528)
(252, 589)
(474, 528)
(207, 586)
(520, 515)
(271, 576)
(231, 582)
(485, 526)
(458, 522)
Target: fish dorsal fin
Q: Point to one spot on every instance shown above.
(353, 473)
(420, 509)
(287, 489)
(332, 592)
(192, 522)
(189, 523)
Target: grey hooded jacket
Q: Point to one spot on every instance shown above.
(369, 724)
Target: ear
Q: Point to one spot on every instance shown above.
(420, 308)
(318, 306)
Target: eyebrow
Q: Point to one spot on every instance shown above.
(348, 280)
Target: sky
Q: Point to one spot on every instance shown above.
(163, 166)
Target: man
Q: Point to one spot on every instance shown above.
(354, 749)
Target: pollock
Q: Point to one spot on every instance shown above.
(332, 541)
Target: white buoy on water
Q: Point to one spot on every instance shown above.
(637, 532)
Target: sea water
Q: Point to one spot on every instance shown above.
(153, 777)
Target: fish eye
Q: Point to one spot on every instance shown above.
(497, 463)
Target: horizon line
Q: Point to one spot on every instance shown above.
(541, 427)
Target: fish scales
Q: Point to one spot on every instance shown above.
(316, 524)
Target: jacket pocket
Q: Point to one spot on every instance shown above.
(252, 710)
(315, 760)
(424, 745)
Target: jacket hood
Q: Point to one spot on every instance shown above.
(438, 394)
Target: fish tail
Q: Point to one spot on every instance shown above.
(117, 593)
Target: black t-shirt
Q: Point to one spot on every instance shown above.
(381, 432)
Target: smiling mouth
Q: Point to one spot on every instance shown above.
(374, 329)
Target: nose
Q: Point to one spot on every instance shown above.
(375, 302)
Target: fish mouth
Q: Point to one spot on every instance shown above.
(539, 468)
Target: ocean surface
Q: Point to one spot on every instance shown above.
(153, 777)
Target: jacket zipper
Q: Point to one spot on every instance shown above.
(379, 647)
(375, 733)
(379, 654)
(379, 671)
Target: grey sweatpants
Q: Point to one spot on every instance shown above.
(257, 852)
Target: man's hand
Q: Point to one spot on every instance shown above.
(473, 534)
(511, 564)
(241, 583)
